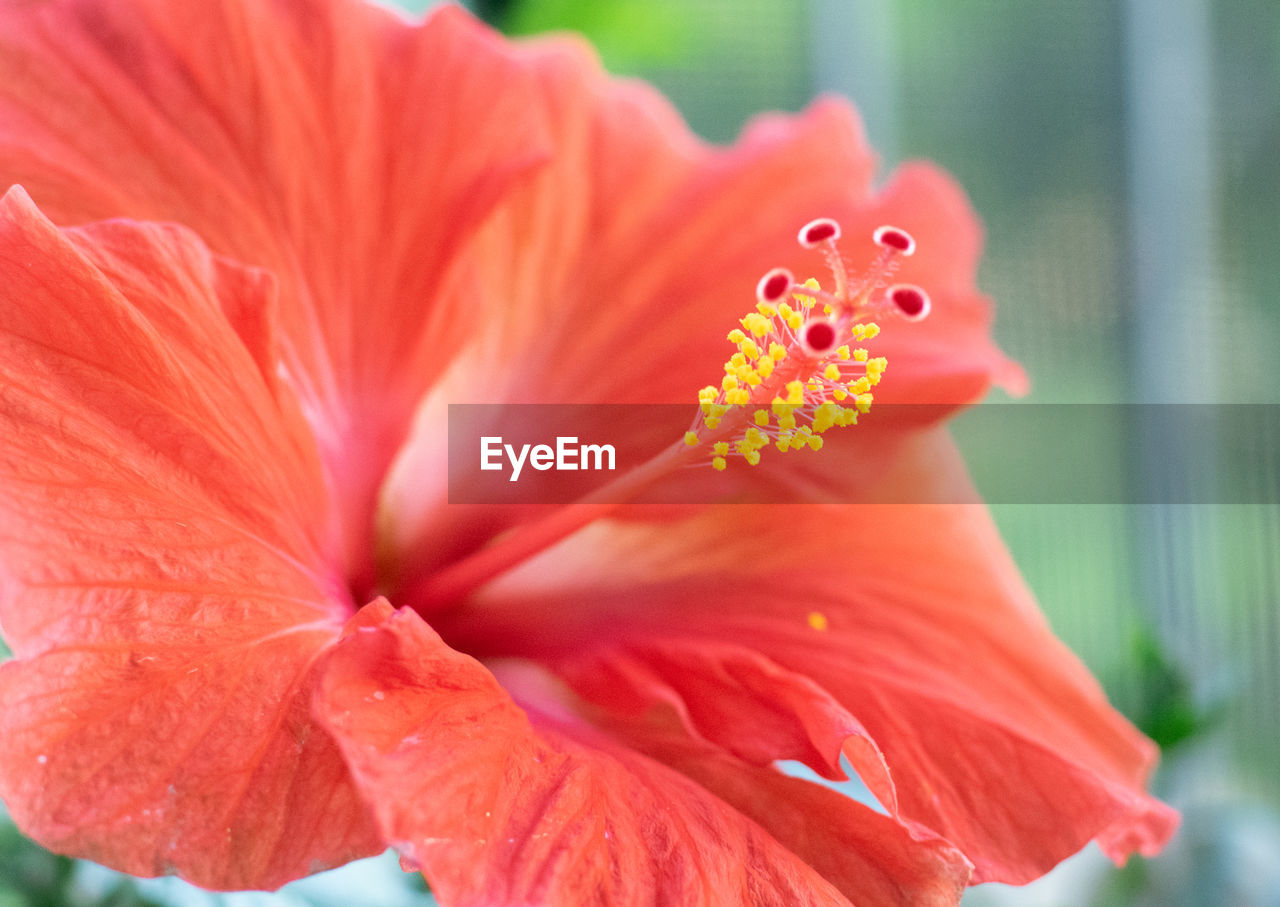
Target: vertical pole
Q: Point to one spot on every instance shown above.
(1171, 188)
(853, 54)
(1169, 54)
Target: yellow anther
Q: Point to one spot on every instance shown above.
(764, 367)
(729, 382)
(861, 386)
(863, 402)
(784, 441)
(743, 447)
(751, 378)
(736, 336)
(842, 352)
(737, 360)
(752, 457)
(786, 311)
(756, 438)
(741, 372)
(859, 355)
(808, 300)
(824, 416)
(767, 309)
(781, 407)
(761, 417)
(826, 309)
(739, 396)
(691, 438)
(815, 443)
(795, 392)
(713, 422)
(708, 394)
(720, 448)
(848, 417)
(794, 320)
(839, 394)
(757, 324)
(876, 367)
(871, 331)
(717, 463)
(814, 386)
(749, 349)
(831, 372)
(777, 352)
(818, 621)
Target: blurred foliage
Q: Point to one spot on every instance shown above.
(720, 63)
(30, 876)
(627, 33)
(496, 12)
(1163, 707)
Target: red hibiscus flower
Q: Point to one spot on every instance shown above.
(252, 241)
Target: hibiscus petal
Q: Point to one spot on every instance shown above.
(949, 357)
(496, 809)
(618, 268)
(613, 275)
(330, 142)
(906, 627)
(163, 531)
(872, 858)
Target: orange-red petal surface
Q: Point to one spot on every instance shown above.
(190, 451)
(497, 809)
(871, 857)
(167, 583)
(904, 629)
(616, 270)
(328, 141)
(949, 357)
(612, 275)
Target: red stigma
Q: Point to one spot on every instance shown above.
(895, 239)
(824, 229)
(911, 301)
(819, 335)
(774, 285)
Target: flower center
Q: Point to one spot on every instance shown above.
(796, 366)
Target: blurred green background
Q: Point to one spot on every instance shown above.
(1125, 156)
